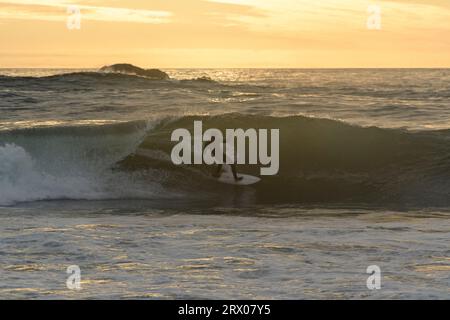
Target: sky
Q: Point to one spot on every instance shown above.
(225, 33)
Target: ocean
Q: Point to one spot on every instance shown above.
(86, 180)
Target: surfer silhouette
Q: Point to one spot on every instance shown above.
(218, 172)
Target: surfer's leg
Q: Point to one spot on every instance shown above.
(233, 169)
(218, 171)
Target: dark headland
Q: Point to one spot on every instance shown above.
(127, 68)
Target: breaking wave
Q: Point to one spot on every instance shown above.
(71, 163)
(321, 161)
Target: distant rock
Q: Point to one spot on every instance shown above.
(126, 68)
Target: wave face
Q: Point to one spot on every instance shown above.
(321, 160)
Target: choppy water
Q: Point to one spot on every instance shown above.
(85, 180)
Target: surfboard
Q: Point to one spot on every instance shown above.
(227, 177)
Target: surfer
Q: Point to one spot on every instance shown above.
(218, 171)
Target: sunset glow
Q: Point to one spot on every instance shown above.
(225, 33)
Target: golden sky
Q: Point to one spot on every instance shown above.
(225, 33)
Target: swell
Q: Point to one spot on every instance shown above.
(321, 161)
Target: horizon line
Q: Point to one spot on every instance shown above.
(269, 67)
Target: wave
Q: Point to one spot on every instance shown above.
(321, 161)
(89, 78)
(86, 82)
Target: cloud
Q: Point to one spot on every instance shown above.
(53, 10)
(435, 3)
